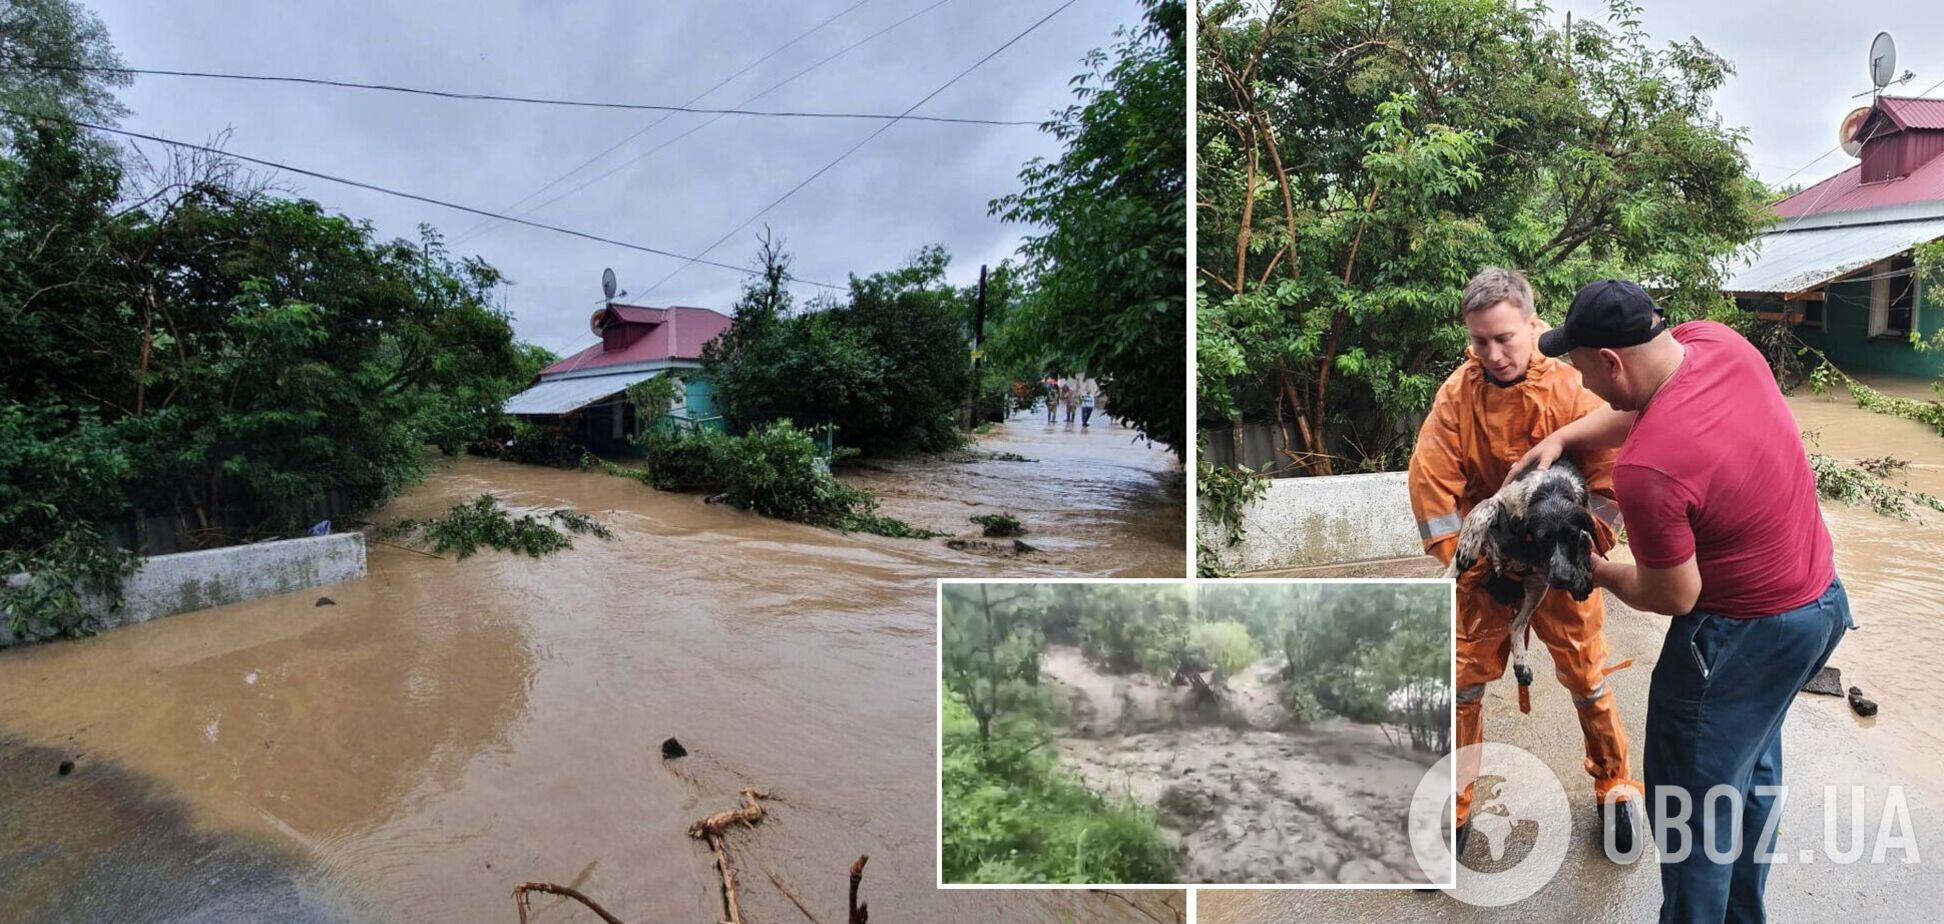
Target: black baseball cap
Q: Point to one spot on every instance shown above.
(1608, 314)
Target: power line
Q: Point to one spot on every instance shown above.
(854, 148)
(1827, 184)
(771, 89)
(400, 194)
(846, 11)
(534, 100)
(1819, 157)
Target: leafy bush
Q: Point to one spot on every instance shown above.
(887, 368)
(1012, 815)
(1134, 627)
(776, 470)
(517, 440)
(1226, 645)
(483, 522)
(685, 460)
(999, 525)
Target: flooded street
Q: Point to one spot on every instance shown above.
(1890, 567)
(1245, 798)
(448, 729)
(1094, 500)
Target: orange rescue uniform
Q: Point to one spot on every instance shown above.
(1476, 430)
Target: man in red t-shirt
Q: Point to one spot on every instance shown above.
(1720, 509)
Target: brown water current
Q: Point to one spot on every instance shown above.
(1890, 568)
(1244, 796)
(448, 729)
(1094, 500)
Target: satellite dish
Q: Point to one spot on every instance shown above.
(1850, 133)
(607, 280)
(1883, 60)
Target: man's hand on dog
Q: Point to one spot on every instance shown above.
(1541, 456)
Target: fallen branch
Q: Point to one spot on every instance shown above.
(520, 899)
(792, 896)
(859, 913)
(728, 878)
(711, 829)
(748, 815)
(1136, 906)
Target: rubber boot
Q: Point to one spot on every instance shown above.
(1617, 818)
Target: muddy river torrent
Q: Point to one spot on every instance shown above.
(1243, 796)
(1890, 568)
(448, 729)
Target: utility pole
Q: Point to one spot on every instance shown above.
(978, 339)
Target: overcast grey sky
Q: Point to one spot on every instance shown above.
(1797, 63)
(918, 183)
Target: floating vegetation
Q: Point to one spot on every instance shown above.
(482, 522)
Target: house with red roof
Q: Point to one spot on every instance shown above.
(586, 394)
(1838, 263)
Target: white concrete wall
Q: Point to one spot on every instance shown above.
(170, 584)
(1306, 522)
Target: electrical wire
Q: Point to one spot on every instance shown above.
(403, 195)
(779, 200)
(534, 100)
(846, 11)
(771, 89)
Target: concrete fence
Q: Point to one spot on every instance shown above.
(1309, 522)
(169, 584)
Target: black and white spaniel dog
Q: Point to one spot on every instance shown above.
(1537, 533)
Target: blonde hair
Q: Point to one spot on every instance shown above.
(1495, 284)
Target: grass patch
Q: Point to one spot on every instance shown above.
(1012, 815)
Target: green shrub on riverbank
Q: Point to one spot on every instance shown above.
(1012, 815)
(776, 470)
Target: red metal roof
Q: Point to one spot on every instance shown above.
(692, 328)
(1846, 191)
(1913, 112)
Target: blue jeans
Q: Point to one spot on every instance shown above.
(1714, 717)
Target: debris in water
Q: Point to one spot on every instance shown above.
(988, 547)
(250, 678)
(67, 767)
(1864, 707)
(484, 523)
(672, 749)
(326, 601)
(999, 525)
(1828, 681)
(710, 829)
(1021, 548)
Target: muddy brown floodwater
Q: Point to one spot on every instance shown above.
(449, 729)
(1244, 797)
(1891, 570)
(1094, 500)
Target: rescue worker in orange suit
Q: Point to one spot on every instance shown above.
(1506, 397)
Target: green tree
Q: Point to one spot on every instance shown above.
(887, 366)
(1360, 159)
(56, 60)
(194, 345)
(1107, 293)
(991, 650)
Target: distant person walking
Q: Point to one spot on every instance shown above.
(1089, 393)
(1070, 393)
(1052, 398)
